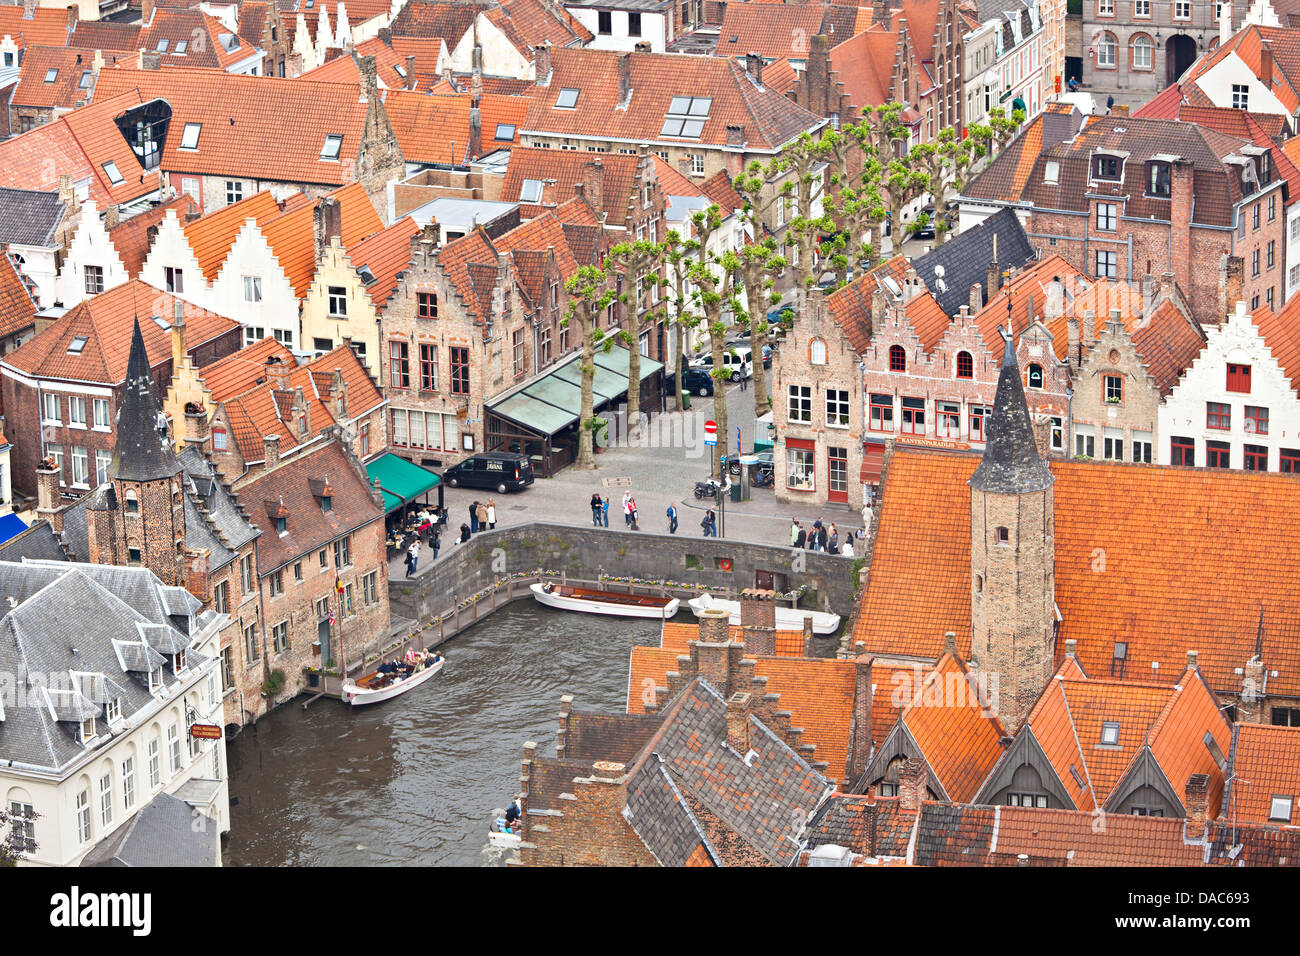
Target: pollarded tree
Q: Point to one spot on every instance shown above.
(713, 275)
(638, 263)
(590, 295)
(757, 262)
(679, 253)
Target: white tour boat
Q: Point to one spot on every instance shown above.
(787, 618)
(592, 601)
(376, 687)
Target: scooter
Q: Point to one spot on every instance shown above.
(707, 489)
(763, 479)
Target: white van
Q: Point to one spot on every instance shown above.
(737, 359)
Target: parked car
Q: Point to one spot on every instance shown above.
(735, 360)
(695, 380)
(763, 465)
(499, 471)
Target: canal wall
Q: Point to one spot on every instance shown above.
(716, 564)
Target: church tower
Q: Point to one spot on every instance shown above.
(1012, 555)
(146, 477)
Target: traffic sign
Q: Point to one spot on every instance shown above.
(710, 441)
(710, 428)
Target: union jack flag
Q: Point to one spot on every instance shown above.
(331, 616)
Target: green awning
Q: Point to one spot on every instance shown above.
(399, 480)
(550, 403)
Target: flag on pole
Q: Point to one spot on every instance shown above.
(331, 617)
(338, 585)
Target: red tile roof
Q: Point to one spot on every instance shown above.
(344, 68)
(864, 63)
(385, 254)
(17, 309)
(210, 236)
(772, 31)
(292, 236)
(105, 322)
(65, 90)
(436, 127)
(1169, 343)
(208, 44)
(1282, 337)
(616, 173)
(240, 371)
(131, 236)
(1265, 763)
(47, 27)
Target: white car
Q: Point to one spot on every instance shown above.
(738, 360)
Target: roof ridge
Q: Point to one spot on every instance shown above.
(1083, 759)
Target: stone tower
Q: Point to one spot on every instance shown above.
(1012, 555)
(146, 477)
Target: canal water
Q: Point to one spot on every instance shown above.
(414, 781)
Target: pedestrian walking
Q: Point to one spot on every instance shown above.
(627, 509)
(482, 516)
(1110, 104)
(672, 519)
(744, 382)
(604, 511)
(595, 509)
(492, 512)
(407, 559)
(795, 532)
(435, 542)
(412, 557)
(631, 504)
(473, 518)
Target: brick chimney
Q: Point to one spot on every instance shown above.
(593, 177)
(150, 60)
(72, 19)
(369, 78)
(879, 310)
(1232, 278)
(277, 371)
(198, 575)
(271, 446)
(1193, 658)
(1265, 65)
(754, 67)
(976, 297)
(338, 395)
(860, 730)
(180, 344)
(1196, 800)
(1088, 330)
(196, 426)
(738, 712)
(758, 621)
(47, 496)
(715, 626)
(1075, 353)
(1182, 196)
(1251, 708)
(542, 63)
(327, 223)
(624, 78)
(643, 46)
(911, 784)
(1054, 307)
(735, 136)
(146, 11)
(112, 215)
(808, 649)
(29, 9)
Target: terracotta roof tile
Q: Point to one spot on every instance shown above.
(47, 27)
(385, 254)
(65, 90)
(240, 371)
(105, 322)
(775, 32)
(1266, 763)
(1282, 337)
(344, 68)
(617, 173)
(17, 308)
(291, 235)
(106, 35)
(1168, 343)
(211, 236)
(131, 236)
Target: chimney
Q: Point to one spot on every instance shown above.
(338, 395)
(1075, 353)
(594, 179)
(735, 136)
(911, 784)
(1182, 196)
(327, 220)
(1042, 427)
(754, 67)
(879, 309)
(1232, 276)
(112, 216)
(758, 621)
(29, 9)
(976, 298)
(271, 444)
(385, 36)
(47, 495)
(1088, 331)
(643, 46)
(880, 12)
(1192, 658)
(1119, 109)
(808, 636)
(1225, 24)
(1265, 61)
(624, 78)
(1251, 709)
(993, 281)
(475, 145)
(1167, 285)
(738, 711)
(542, 63)
(277, 371)
(1071, 646)
(72, 19)
(1196, 800)
(150, 60)
(196, 425)
(1055, 305)
(410, 71)
(684, 166)
(860, 729)
(180, 348)
(146, 11)
(198, 574)
(369, 78)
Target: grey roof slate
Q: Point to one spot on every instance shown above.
(660, 816)
(29, 217)
(37, 542)
(962, 261)
(143, 451)
(1011, 464)
(163, 833)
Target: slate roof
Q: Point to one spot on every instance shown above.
(1151, 518)
(29, 217)
(107, 603)
(1010, 464)
(770, 120)
(307, 526)
(162, 833)
(663, 819)
(143, 451)
(38, 543)
(950, 270)
(873, 827)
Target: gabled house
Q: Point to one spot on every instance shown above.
(53, 81)
(17, 308)
(34, 227)
(195, 39)
(1263, 776)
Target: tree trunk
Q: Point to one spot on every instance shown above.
(634, 386)
(586, 435)
(756, 301)
(717, 332)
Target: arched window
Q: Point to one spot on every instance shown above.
(817, 352)
(897, 359)
(1142, 48)
(1035, 375)
(965, 365)
(1106, 47)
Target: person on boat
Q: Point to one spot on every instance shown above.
(492, 512)
(672, 519)
(464, 534)
(604, 511)
(595, 509)
(548, 587)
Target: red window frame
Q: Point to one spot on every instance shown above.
(426, 305)
(886, 413)
(910, 416)
(837, 456)
(1289, 461)
(965, 365)
(1218, 454)
(1182, 451)
(459, 370)
(1257, 419)
(1254, 458)
(1238, 378)
(1218, 415)
(428, 367)
(897, 358)
(399, 364)
(977, 415)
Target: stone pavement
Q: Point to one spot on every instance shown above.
(662, 471)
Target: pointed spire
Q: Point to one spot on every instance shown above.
(1011, 464)
(142, 452)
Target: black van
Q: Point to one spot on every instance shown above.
(499, 471)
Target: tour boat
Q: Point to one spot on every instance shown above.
(363, 692)
(787, 618)
(594, 601)
(500, 835)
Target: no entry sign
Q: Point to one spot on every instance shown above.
(710, 433)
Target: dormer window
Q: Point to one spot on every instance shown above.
(1106, 167)
(327, 503)
(87, 730)
(113, 711)
(1158, 180)
(281, 525)
(178, 662)
(1052, 171)
(155, 679)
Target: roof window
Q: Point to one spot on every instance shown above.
(531, 191)
(51, 76)
(1110, 734)
(567, 99)
(162, 46)
(181, 47)
(190, 138)
(86, 77)
(367, 277)
(333, 144)
(505, 132)
(686, 116)
(159, 321)
(76, 345)
(1280, 809)
(110, 168)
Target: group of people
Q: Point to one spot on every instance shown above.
(424, 524)
(482, 516)
(599, 511)
(821, 538)
(414, 662)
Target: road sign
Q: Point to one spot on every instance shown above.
(710, 428)
(710, 441)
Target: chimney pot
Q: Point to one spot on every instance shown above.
(738, 711)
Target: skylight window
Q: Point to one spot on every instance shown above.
(84, 82)
(567, 99)
(76, 345)
(1110, 734)
(367, 277)
(190, 138)
(159, 321)
(505, 132)
(686, 116)
(181, 47)
(162, 46)
(400, 71)
(110, 168)
(51, 76)
(333, 143)
(531, 191)
(1280, 808)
